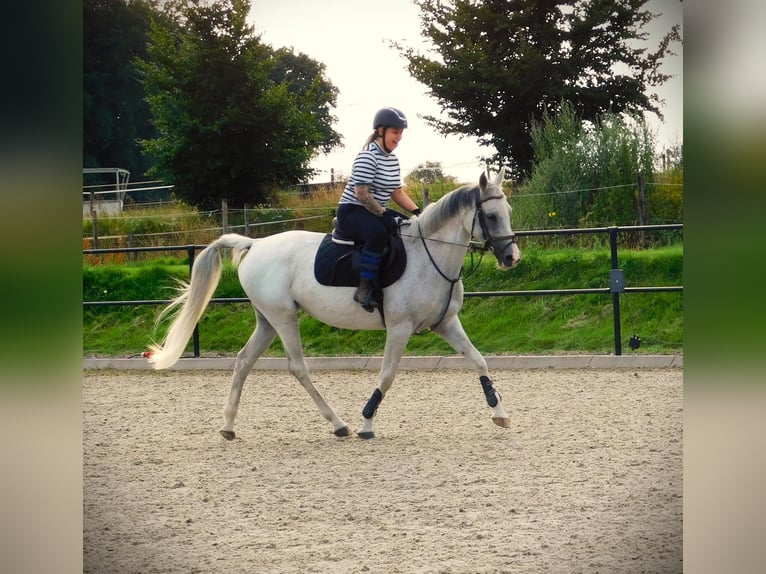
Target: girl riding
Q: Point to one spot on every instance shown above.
(375, 179)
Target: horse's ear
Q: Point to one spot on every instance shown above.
(483, 181)
(500, 177)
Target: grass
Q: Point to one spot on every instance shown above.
(496, 325)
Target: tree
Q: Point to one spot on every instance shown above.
(501, 64)
(236, 119)
(115, 113)
(428, 172)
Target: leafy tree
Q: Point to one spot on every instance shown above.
(235, 118)
(115, 114)
(499, 65)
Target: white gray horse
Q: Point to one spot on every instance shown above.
(277, 273)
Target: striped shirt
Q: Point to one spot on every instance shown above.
(377, 169)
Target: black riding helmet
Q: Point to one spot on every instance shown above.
(388, 118)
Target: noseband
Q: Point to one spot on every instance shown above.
(489, 241)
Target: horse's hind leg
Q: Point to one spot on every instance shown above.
(296, 363)
(452, 331)
(259, 341)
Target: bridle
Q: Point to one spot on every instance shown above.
(489, 241)
(488, 244)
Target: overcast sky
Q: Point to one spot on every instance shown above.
(352, 40)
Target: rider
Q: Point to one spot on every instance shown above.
(375, 178)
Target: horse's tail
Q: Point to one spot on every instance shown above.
(193, 298)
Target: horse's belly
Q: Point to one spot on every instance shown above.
(335, 306)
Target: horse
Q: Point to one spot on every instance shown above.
(276, 273)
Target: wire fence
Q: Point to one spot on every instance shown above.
(153, 224)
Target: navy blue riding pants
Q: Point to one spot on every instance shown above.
(358, 223)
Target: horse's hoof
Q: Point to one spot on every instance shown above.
(343, 431)
(228, 434)
(365, 434)
(502, 422)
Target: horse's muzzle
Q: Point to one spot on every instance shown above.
(510, 256)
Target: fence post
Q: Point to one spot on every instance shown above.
(131, 245)
(615, 293)
(94, 217)
(225, 215)
(195, 335)
(641, 210)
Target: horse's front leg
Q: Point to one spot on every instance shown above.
(396, 341)
(452, 331)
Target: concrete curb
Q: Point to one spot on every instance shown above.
(499, 362)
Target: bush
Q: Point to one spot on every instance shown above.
(586, 175)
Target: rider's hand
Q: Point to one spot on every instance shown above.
(389, 220)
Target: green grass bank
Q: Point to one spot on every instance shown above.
(561, 324)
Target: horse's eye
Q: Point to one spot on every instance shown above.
(492, 217)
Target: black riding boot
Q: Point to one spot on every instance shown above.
(369, 264)
(363, 295)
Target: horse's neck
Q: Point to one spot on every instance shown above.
(447, 245)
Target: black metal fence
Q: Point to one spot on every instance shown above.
(616, 276)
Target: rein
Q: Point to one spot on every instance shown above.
(452, 282)
(487, 245)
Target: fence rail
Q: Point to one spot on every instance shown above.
(616, 276)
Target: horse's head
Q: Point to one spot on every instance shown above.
(492, 221)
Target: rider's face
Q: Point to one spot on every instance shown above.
(392, 137)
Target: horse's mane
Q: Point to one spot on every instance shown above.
(446, 208)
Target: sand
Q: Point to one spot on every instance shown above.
(587, 479)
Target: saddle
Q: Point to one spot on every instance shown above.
(336, 263)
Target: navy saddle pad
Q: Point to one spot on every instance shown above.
(337, 264)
